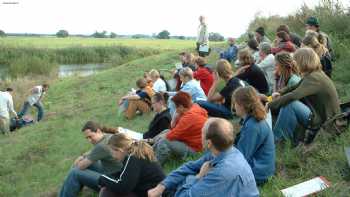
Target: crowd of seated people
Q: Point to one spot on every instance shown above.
(289, 77)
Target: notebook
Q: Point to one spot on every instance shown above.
(306, 188)
(133, 134)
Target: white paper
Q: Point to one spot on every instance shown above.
(305, 188)
(133, 134)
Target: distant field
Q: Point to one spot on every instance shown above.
(53, 42)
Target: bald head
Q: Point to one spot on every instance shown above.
(220, 132)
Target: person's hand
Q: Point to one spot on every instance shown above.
(275, 95)
(241, 69)
(78, 160)
(263, 97)
(204, 169)
(157, 191)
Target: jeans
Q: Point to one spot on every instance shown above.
(165, 148)
(77, 178)
(39, 107)
(216, 110)
(290, 116)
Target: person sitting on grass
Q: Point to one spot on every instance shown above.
(90, 166)
(140, 171)
(319, 96)
(189, 85)
(221, 171)
(137, 101)
(159, 84)
(255, 139)
(34, 99)
(251, 73)
(283, 43)
(187, 60)
(231, 53)
(162, 119)
(286, 73)
(184, 137)
(219, 103)
(203, 74)
(267, 64)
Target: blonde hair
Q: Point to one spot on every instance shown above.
(154, 73)
(139, 149)
(312, 42)
(245, 57)
(224, 69)
(248, 98)
(189, 58)
(307, 60)
(186, 72)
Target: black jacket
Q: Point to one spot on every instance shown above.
(159, 123)
(136, 176)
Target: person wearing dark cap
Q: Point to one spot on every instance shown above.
(260, 35)
(313, 24)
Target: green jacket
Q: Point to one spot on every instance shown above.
(317, 91)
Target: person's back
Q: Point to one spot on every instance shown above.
(267, 65)
(205, 77)
(255, 77)
(4, 108)
(194, 89)
(256, 142)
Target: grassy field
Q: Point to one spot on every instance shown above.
(36, 159)
(54, 43)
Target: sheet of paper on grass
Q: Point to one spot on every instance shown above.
(306, 188)
(133, 134)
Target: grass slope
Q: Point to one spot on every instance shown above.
(36, 159)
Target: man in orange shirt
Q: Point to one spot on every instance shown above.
(184, 138)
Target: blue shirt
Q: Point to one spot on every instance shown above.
(230, 176)
(256, 143)
(194, 89)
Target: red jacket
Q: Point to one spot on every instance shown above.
(188, 129)
(284, 46)
(205, 77)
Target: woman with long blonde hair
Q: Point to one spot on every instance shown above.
(140, 171)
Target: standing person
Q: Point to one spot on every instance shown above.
(184, 137)
(260, 35)
(219, 103)
(162, 119)
(251, 73)
(221, 171)
(313, 24)
(34, 99)
(316, 90)
(295, 38)
(203, 37)
(267, 63)
(287, 73)
(203, 74)
(88, 168)
(255, 139)
(6, 108)
(140, 171)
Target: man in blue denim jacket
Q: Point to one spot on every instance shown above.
(222, 171)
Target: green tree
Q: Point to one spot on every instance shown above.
(163, 35)
(216, 37)
(62, 33)
(2, 33)
(113, 35)
(102, 34)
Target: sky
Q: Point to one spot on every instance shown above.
(180, 17)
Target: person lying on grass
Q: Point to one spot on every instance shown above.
(255, 139)
(184, 137)
(221, 171)
(137, 101)
(140, 171)
(88, 168)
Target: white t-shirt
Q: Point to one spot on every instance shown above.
(6, 105)
(159, 85)
(267, 65)
(35, 96)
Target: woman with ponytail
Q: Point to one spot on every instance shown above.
(255, 139)
(140, 171)
(287, 73)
